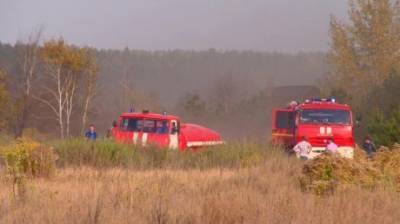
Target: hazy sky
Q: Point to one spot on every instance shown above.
(263, 25)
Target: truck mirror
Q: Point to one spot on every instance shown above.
(358, 120)
(114, 124)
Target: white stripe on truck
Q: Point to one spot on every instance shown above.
(135, 137)
(144, 139)
(204, 143)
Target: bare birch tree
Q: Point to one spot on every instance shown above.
(64, 67)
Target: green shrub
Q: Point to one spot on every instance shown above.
(381, 110)
(102, 152)
(385, 130)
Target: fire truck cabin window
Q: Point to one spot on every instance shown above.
(323, 116)
(284, 120)
(147, 126)
(162, 127)
(125, 125)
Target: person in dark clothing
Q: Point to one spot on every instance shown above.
(91, 133)
(369, 147)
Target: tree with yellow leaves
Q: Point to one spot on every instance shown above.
(64, 67)
(366, 51)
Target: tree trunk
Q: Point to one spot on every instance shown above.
(61, 129)
(60, 103)
(84, 114)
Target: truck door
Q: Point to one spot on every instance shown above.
(283, 127)
(158, 134)
(124, 135)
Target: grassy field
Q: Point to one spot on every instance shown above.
(239, 183)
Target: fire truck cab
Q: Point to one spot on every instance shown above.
(318, 120)
(162, 130)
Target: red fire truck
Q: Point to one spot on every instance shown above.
(318, 120)
(162, 130)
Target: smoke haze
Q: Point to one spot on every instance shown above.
(220, 63)
(261, 25)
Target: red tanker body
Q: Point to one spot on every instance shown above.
(318, 120)
(163, 130)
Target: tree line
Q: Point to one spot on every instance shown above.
(56, 83)
(221, 89)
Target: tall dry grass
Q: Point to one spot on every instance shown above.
(106, 153)
(268, 192)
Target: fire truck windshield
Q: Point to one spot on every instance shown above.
(325, 116)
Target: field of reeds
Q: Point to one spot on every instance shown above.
(82, 182)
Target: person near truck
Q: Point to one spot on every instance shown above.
(369, 147)
(111, 129)
(331, 147)
(91, 133)
(303, 149)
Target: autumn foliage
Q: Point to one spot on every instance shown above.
(365, 52)
(327, 174)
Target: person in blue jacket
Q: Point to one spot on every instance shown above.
(91, 133)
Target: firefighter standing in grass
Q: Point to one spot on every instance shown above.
(303, 149)
(369, 147)
(91, 133)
